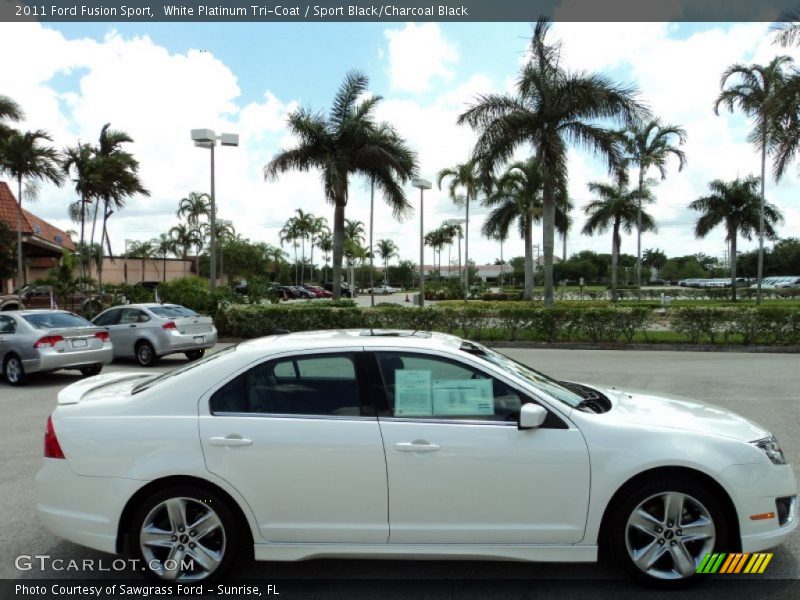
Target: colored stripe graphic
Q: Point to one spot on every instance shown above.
(735, 562)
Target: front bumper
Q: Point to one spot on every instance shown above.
(50, 359)
(83, 510)
(174, 341)
(757, 487)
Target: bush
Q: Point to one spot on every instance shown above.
(192, 292)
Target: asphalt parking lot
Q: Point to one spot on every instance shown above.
(763, 387)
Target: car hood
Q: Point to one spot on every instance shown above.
(682, 413)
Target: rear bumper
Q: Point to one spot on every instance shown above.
(49, 359)
(83, 510)
(173, 341)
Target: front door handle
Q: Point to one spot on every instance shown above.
(231, 440)
(132, 325)
(416, 446)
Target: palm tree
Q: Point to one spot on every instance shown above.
(24, 156)
(757, 91)
(304, 222)
(223, 234)
(184, 238)
(518, 197)
(552, 109)
(737, 206)
(291, 233)
(466, 177)
(348, 142)
(649, 145)
(194, 208)
(653, 258)
(10, 111)
(354, 235)
(117, 180)
(317, 227)
(81, 161)
(165, 244)
(275, 257)
(436, 241)
(325, 244)
(617, 207)
(387, 249)
(787, 28)
(144, 251)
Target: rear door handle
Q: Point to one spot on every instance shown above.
(416, 446)
(230, 440)
(132, 325)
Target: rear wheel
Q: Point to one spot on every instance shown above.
(662, 531)
(195, 354)
(145, 354)
(92, 370)
(13, 370)
(185, 533)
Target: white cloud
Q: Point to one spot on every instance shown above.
(419, 54)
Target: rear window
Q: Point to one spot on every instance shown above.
(172, 311)
(55, 320)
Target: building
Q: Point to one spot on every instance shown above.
(41, 242)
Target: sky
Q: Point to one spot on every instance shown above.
(159, 81)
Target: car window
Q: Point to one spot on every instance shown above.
(133, 315)
(320, 385)
(172, 311)
(110, 317)
(425, 386)
(53, 320)
(7, 324)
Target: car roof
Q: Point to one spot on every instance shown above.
(39, 311)
(352, 338)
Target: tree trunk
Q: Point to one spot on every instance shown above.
(466, 253)
(311, 276)
(615, 241)
(529, 269)
(733, 265)
(639, 237)
(548, 240)
(371, 252)
(20, 273)
(102, 252)
(338, 248)
(82, 252)
(760, 274)
(303, 264)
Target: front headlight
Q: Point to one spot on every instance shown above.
(771, 449)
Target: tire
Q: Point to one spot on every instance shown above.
(92, 370)
(13, 371)
(209, 550)
(195, 354)
(146, 354)
(646, 530)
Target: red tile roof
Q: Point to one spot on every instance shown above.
(31, 224)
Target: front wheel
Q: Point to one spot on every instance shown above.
(13, 370)
(663, 531)
(185, 533)
(195, 354)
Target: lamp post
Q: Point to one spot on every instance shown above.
(206, 138)
(422, 184)
(223, 223)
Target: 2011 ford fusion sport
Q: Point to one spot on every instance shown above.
(401, 445)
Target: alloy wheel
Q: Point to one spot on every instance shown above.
(13, 370)
(668, 534)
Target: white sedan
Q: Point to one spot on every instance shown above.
(401, 445)
(384, 289)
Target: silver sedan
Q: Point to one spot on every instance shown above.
(34, 341)
(147, 332)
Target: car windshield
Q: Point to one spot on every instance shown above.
(148, 383)
(56, 320)
(172, 311)
(538, 380)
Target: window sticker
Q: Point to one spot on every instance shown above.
(462, 397)
(412, 395)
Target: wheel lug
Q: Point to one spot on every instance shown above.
(673, 543)
(669, 524)
(192, 533)
(661, 541)
(180, 529)
(679, 532)
(659, 529)
(174, 538)
(180, 546)
(191, 546)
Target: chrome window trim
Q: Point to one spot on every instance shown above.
(293, 416)
(437, 421)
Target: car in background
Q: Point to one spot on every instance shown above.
(777, 283)
(384, 289)
(387, 444)
(41, 341)
(347, 292)
(318, 291)
(147, 332)
(300, 292)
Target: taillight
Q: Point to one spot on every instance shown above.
(48, 341)
(102, 336)
(52, 449)
(169, 325)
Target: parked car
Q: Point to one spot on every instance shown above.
(401, 444)
(346, 291)
(147, 332)
(318, 291)
(301, 292)
(384, 289)
(37, 341)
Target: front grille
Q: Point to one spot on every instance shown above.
(787, 509)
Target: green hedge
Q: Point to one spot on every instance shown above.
(610, 325)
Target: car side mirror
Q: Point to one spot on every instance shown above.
(531, 416)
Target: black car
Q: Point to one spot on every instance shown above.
(148, 285)
(346, 291)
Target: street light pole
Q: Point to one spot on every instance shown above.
(422, 184)
(206, 138)
(127, 241)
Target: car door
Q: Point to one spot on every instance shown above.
(295, 437)
(111, 320)
(127, 330)
(461, 472)
(7, 329)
